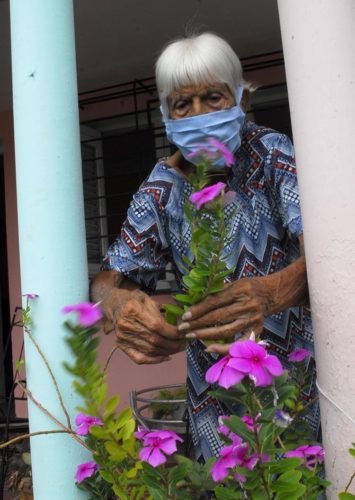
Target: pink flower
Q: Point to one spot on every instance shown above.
(231, 456)
(221, 148)
(223, 429)
(222, 373)
(251, 423)
(298, 355)
(207, 194)
(89, 313)
(84, 422)
(141, 433)
(30, 295)
(253, 360)
(157, 442)
(309, 454)
(85, 470)
(227, 460)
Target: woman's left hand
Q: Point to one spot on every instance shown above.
(243, 305)
(240, 307)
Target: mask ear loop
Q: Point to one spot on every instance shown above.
(239, 94)
(163, 114)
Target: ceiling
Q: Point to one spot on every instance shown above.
(119, 40)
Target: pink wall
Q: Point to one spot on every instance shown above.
(7, 136)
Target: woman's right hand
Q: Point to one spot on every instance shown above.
(141, 331)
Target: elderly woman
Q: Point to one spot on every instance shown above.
(202, 93)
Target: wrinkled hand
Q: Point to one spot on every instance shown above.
(142, 333)
(240, 307)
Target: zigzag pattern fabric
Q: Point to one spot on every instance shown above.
(264, 223)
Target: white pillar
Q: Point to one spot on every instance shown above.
(51, 221)
(318, 39)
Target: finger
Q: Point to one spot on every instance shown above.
(146, 344)
(226, 331)
(140, 358)
(222, 349)
(150, 343)
(221, 316)
(238, 291)
(108, 327)
(147, 316)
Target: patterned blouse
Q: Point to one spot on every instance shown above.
(264, 222)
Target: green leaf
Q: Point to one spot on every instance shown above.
(115, 451)
(352, 451)
(172, 308)
(216, 288)
(123, 418)
(128, 429)
(236, 425)
(301, 489)
(287, 482)
(120, 493)
(171, 318)
(185, 299)
(177, 473)
(287, 392)
(107, 476)
(346, 496)
(223, 493)
(192, 284)
(111, 405)
(101, 394)
(157, 494)
(284, 465)
(98, 432)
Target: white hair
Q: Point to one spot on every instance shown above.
(193, 60)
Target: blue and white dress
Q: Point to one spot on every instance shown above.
(264, 222)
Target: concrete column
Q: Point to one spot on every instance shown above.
(51, 219)
(319, 46)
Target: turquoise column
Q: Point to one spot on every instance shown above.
(51, 220)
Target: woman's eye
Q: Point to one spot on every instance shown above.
(179, 105)
(214, 97)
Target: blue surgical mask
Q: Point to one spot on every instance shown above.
(224, 125)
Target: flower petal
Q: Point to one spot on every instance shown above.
(207, 194)
(213, 373)
(273, 364)
(168, 446)
(261, 376)
(241, 364)
(247, 349)
(298, 355)
(230, 377)
(85, 470)
(145, 453)
(157, 458)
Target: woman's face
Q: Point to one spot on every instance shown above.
(193, 100)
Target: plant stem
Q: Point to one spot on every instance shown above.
(40, 352)
(52, 417)
(30, 434)
(114, 349)
(254, 412)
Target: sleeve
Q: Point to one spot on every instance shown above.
(280, 170)
(141, 251)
